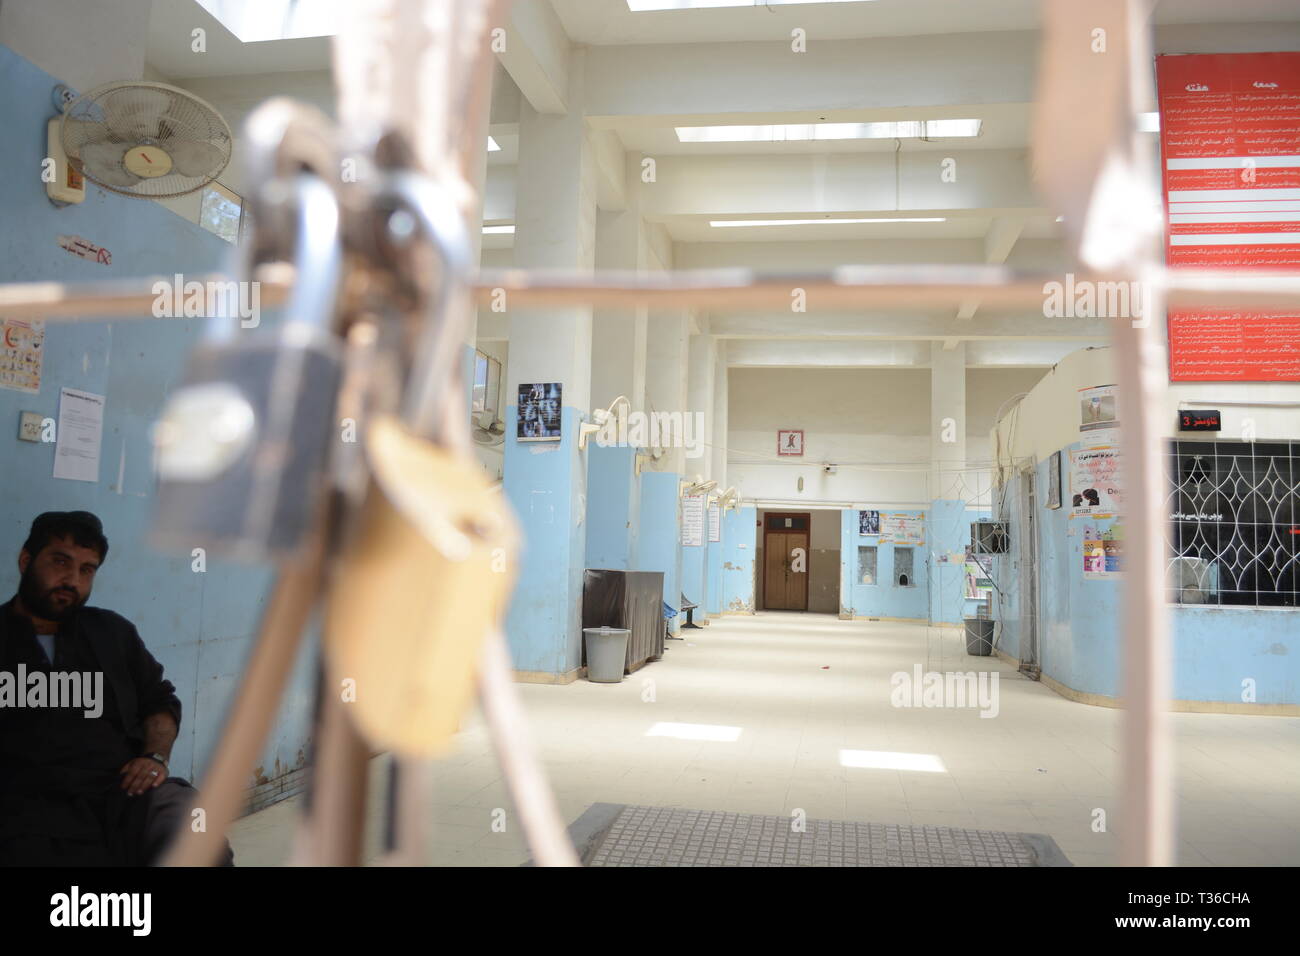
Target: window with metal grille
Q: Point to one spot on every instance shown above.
(1234, 523)
(903, 576)
(866, 564)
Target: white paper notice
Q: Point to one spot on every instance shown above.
(81, 428)
(715, 523)
(693, 521)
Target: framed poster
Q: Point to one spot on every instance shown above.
(868, 522)
(539, 412)
(1054, 481)
(789, 442)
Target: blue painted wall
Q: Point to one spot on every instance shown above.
(713, 572)
(658, 547)
(542, 483)
(739, 540)
(1214, 649)
(199, 625)
(611, 518)
(948, 530)
(884, 598)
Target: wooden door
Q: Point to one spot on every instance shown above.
(776, 559)
(785, 580)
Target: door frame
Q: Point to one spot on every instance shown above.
(807, 548)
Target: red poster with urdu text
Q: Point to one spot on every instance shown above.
(1230, 148)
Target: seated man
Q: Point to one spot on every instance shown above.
(83, 773)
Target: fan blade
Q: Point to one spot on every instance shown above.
(102, 162)
(193, 157)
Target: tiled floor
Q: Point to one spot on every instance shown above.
(802, 688)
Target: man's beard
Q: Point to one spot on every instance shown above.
(41, 603)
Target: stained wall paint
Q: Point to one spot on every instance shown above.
(200, 626)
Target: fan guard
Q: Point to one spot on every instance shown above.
(147, 140)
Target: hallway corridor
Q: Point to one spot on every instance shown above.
(790, 698)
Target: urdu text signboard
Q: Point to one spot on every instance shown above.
(1230, 145)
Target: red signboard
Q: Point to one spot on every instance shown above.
(1230, 145)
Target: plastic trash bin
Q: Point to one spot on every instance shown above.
(606, 653)
(979, 636)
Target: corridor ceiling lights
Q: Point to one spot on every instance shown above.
(733, 223)
(808, 132)
(498, 230)
(644, 6)
(493, 145)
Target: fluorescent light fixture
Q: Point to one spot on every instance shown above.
(724, 223)
(498, 230)
(643, 6)
(889, 760)
(810, 132)
(695, 732)
(1148, 122)
(493, 145)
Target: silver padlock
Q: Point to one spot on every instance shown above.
(242, 446)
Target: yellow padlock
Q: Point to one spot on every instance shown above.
(422, 582)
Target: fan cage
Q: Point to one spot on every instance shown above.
(133, 114)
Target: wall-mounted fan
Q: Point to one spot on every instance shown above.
(147, 140)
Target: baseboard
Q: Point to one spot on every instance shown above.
(1175, 706)
(893, 620)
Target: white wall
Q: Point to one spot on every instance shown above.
(82, 44)
(1048, 419)
(874, 424)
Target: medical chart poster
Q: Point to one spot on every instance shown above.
(902, 527)
(1230, 144)
(21, 350)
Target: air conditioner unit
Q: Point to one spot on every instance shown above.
(989, 537)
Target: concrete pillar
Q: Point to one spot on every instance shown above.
(739, 534)
(667, 356)
(948, 530)
(699, 459)
(546, 481)
(718, 454)
(618, 351)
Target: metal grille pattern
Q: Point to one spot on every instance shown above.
(1234, 523)
(672, 836)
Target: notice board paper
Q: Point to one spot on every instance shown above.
(80, 432)
(715, 523)
(693, 521)
(1230, 145)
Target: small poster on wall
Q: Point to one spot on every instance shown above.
(715, 523)
(789, 443)
(868, 522)
(539, 412)
(1054, 481)
(901, 527)
(1095, 482)
(1103, 551)
(693, 521)
(21, 348)
(1097, 408)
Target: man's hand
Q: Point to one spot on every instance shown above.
(141, 774)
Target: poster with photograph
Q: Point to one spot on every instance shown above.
(979, 575)
(868, 522)
(1097, 408)
(1095, 482)
(539, 412)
